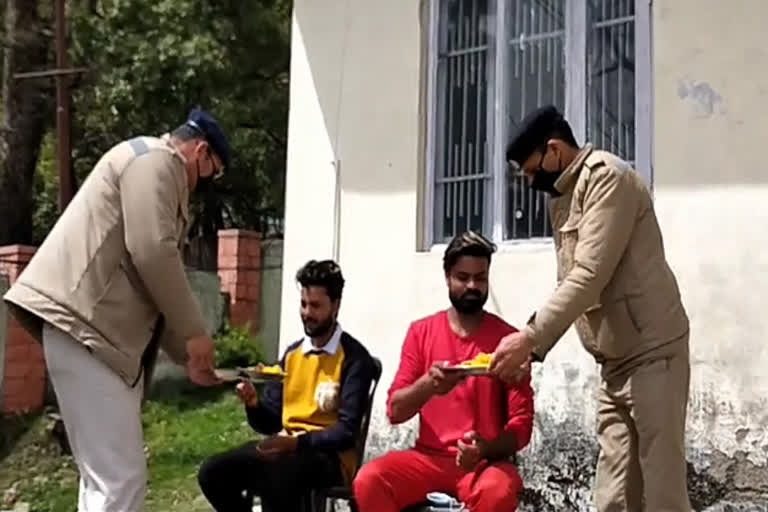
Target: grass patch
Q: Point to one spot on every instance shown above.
(183, 425)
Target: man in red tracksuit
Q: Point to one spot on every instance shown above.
(470, 427)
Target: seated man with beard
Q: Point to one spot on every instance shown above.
(470, 428)
(313, 416)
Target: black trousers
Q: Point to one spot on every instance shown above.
(230, 480)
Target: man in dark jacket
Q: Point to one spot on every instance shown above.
(313, 417)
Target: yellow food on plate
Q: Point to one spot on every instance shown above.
(271, 370)
(481, 360)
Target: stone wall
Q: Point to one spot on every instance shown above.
(206, 287)
(271, 286)
(213, 303)
(558, 467)
(244, 291)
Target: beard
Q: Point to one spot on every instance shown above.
(315, 329)
(469, 302)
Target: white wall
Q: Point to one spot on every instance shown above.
(711, 102)
(356, 81)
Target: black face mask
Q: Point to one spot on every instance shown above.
(204, 183)
(469, 302)
(544, 180)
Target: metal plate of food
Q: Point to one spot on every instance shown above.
(229, 374)
(467, 370)
(261, 373)
(477, 366)
(255, 374)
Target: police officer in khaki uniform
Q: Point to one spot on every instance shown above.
(616, 288)
(107, 288)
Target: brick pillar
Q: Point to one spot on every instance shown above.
(13, 259)
(240, 274)
(24, 374)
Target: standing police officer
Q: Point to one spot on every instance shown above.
(616, 288)
(107, 288)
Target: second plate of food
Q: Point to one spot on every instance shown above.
(261, 373)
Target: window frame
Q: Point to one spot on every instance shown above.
(576, 51)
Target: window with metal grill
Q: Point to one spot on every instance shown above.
(492, 62)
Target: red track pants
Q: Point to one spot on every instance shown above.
(399, 479)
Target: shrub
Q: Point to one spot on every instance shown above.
(236, 347)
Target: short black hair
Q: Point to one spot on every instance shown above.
(186, 132)
(325, 273)
(535, 130)
(563, 131)
(468, 243)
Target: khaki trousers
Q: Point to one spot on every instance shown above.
(641, 432)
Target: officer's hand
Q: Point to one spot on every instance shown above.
(512, 359)
(200, 361)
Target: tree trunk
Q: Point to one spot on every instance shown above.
(26, 112)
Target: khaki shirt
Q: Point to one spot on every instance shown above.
(614, 282)
(112, 263)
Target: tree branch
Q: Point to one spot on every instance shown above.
(280, 141)
(257, 75)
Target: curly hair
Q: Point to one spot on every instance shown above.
(468, 243)
(325, 273)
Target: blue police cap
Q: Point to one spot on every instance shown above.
(533, 132)
(204, 123)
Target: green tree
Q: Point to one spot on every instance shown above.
(26, 109)
(150, 61)
(46, 189)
